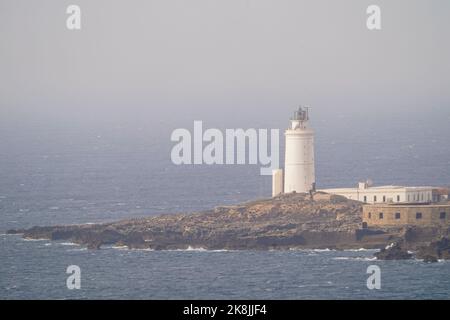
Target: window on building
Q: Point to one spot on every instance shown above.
(421, 197)
(397, 215)
(380, 215)
(365, 198)
(418, 215)
(370, 215)
(442, 215)
(374, 198)
(408, 198)
(398, 198)
(384, 198)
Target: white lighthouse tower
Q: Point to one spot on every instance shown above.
(299, 173)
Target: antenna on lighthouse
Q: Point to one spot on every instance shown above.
(307, 112)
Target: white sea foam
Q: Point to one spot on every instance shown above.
(31, 239)
(356, 258)
(146, 249)
(126, 248)
(438, 260)
(189, 248)
(199, 249)
(118, 247)
(78, 249)
(69, 244)
(361, 249)
(311, 250)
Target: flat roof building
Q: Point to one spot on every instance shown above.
(364, 192)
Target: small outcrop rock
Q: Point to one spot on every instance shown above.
(436, 250)
(393, 252)
(429, 258)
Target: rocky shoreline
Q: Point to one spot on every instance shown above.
(290, 221)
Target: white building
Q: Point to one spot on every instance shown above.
(299, 175)
(385, 194)
(277, 182)
(299, 172)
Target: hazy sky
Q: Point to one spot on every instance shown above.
(177, 56)
(105, 99)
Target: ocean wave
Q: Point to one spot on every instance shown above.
(190, 248)
(311, 250)
(32, 239)
(118, 247)
(132, 249)
(361, 250)
(78, 249)
(332, 250)
(202, 249)
(438, 260)
(69, 244)
(199, 249)
(355, 258)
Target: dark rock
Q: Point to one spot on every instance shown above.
(430, 259)
(286, 221)
(393, 252)
(94, 245)
(133, 241)
(435, 250)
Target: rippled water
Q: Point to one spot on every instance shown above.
(59, 174)
(121, 273)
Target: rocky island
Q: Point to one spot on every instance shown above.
(287, 221)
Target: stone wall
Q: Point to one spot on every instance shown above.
(402, 215)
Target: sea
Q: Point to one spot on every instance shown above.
(62, 169)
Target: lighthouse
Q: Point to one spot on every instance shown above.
(299, 175)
